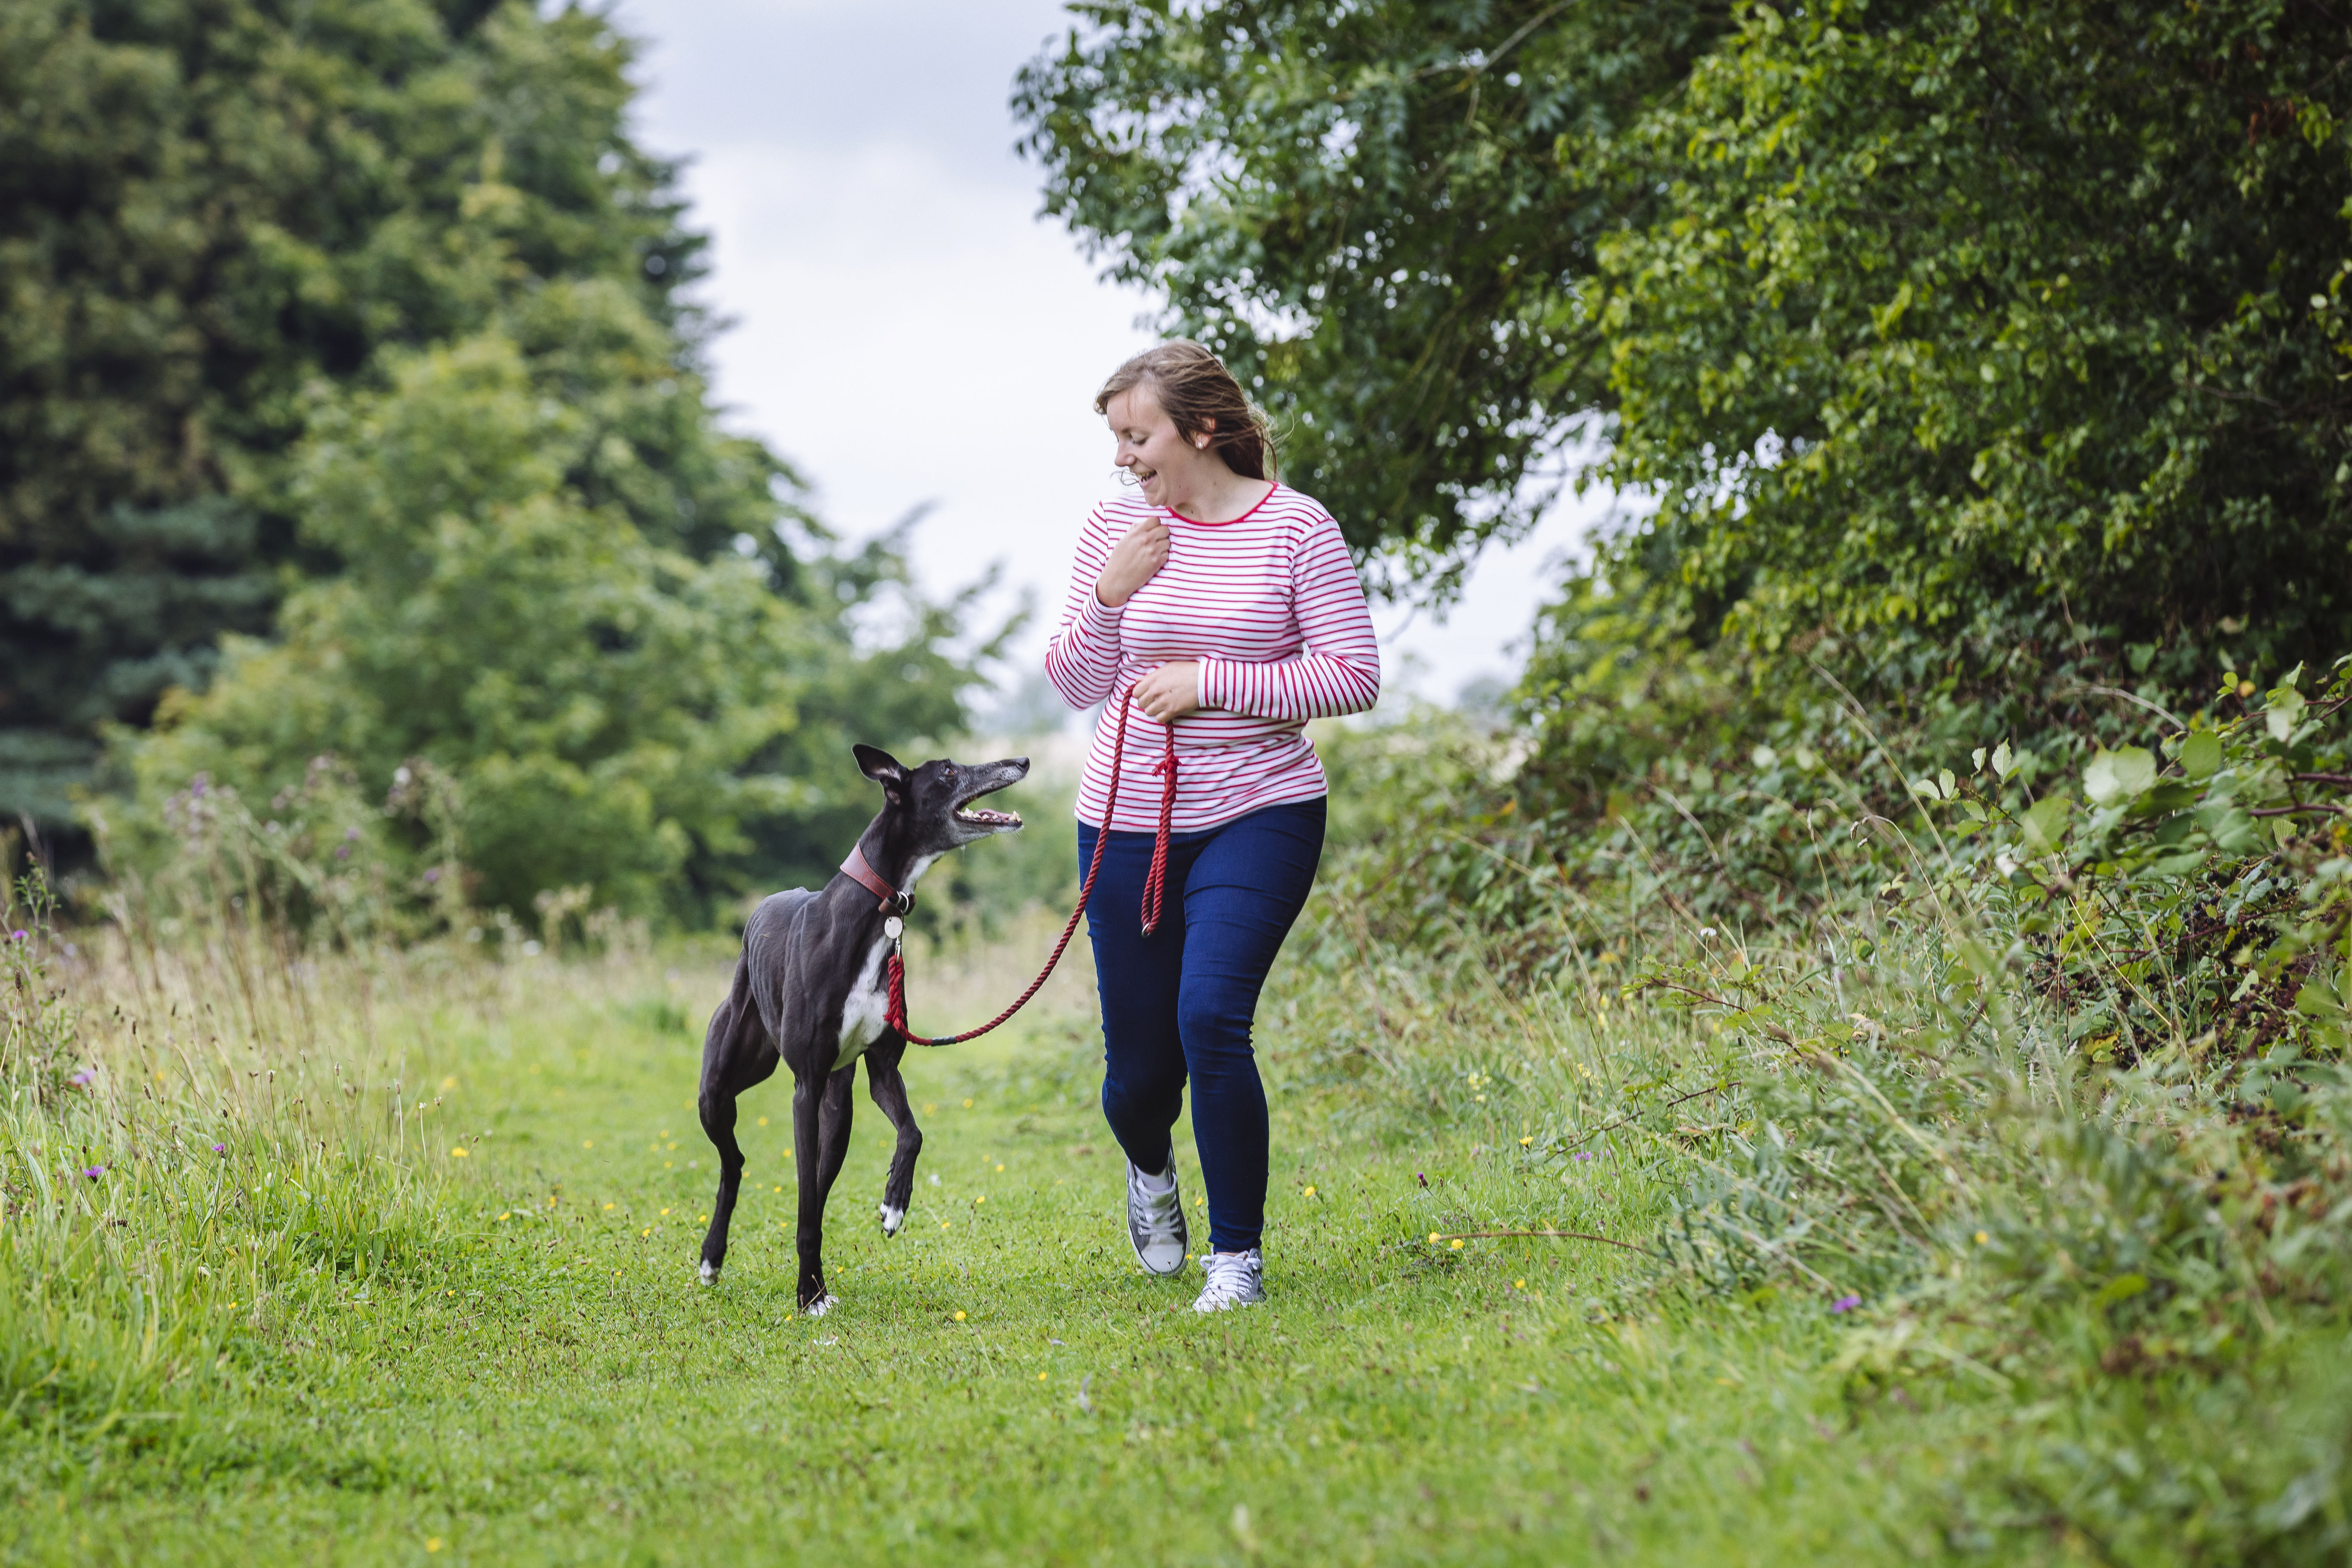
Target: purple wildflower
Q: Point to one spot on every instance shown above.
(18, 936)
(1584, 1154)
(220, 1148)
(1845, 1303)
(433, 875)
(95, 1171)
(81, 1079)
(344, 853)
(352, 833)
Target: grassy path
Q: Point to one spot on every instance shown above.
(1001, 1384)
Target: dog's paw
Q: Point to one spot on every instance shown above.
(893, 1217)
(821, 1305)
(709, 1272)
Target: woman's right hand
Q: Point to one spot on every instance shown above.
(1134, 561)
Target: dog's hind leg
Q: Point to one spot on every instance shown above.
(735, 1055)
(821, 1129)
(890, 1091)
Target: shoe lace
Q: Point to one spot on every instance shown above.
(1154, 1212)
(1230, 1273)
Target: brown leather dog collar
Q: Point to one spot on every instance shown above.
(859, 871)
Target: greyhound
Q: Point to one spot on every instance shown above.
(810, 992)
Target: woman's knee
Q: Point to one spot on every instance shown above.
(1143, 1086)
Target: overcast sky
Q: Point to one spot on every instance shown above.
(907, 329)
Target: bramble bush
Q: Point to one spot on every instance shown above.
(2036, 1081)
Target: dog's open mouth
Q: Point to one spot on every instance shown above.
(972, 815)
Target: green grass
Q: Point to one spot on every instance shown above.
(506, 1357)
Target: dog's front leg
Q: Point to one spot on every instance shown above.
(889, 1092)
(808, 1157)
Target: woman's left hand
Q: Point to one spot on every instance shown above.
(1170, 691)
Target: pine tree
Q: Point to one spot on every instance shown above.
(214, 215)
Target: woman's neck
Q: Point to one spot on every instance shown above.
(1220, 497)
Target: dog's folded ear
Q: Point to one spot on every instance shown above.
(880, 767)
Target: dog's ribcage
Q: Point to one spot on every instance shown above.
(866, 1011)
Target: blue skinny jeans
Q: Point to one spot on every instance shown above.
(1179, 1003)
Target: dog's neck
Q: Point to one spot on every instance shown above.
(893, 862)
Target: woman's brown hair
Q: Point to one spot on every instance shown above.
(1200, 398)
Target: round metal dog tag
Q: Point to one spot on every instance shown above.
(894, 928)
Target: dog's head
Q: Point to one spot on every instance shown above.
(934, 800)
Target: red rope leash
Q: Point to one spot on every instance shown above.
(1154, 888)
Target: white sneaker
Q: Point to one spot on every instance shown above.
(1235, 1279)
(1155, 1220)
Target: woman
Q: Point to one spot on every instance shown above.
(1229, 603)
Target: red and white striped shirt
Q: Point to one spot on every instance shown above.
(1270, 604)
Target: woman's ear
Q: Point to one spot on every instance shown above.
(1208, 432)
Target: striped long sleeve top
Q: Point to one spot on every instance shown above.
(1271, 606)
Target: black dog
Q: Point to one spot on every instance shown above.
(810, 992)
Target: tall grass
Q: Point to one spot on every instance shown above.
(199, 1144)
(2119, 1279)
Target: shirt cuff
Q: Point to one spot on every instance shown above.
(1102, 619)
(1216, 682)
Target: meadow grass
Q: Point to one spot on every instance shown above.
(339, 1340)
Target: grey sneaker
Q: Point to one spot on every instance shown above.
(1155, 1222)
(1235, 1279)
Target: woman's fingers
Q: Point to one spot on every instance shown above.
(1133, 562)
(1170, 691)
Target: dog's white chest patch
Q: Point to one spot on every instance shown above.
(866, 1012)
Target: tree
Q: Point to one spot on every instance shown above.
(612, 713)
(208, 212)
(1981, 322)
(1386, 215)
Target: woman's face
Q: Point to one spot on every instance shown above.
(1166, 465)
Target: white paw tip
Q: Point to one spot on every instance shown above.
(892, 1218)
(710, 1273)
(821, 1306)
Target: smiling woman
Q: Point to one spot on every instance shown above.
(1227, 602)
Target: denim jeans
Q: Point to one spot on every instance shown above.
(1179, 1003)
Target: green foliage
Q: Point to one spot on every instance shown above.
(150, 1187)
(606, 711)
(1938, 319)
(212, 213)
(1385, 216)
(1975, 319)
(2035, 1108)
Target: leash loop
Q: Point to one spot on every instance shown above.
(1153, 889)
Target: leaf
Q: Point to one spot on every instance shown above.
(2287, 706)
(2004, 761)
(1946, 784)
(2122, 1287)
(2043, 828)
(2117, 775)
(2233, 831)
(2318, 998)
(1977, 760)
(2171, 795)
(2201, 754)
